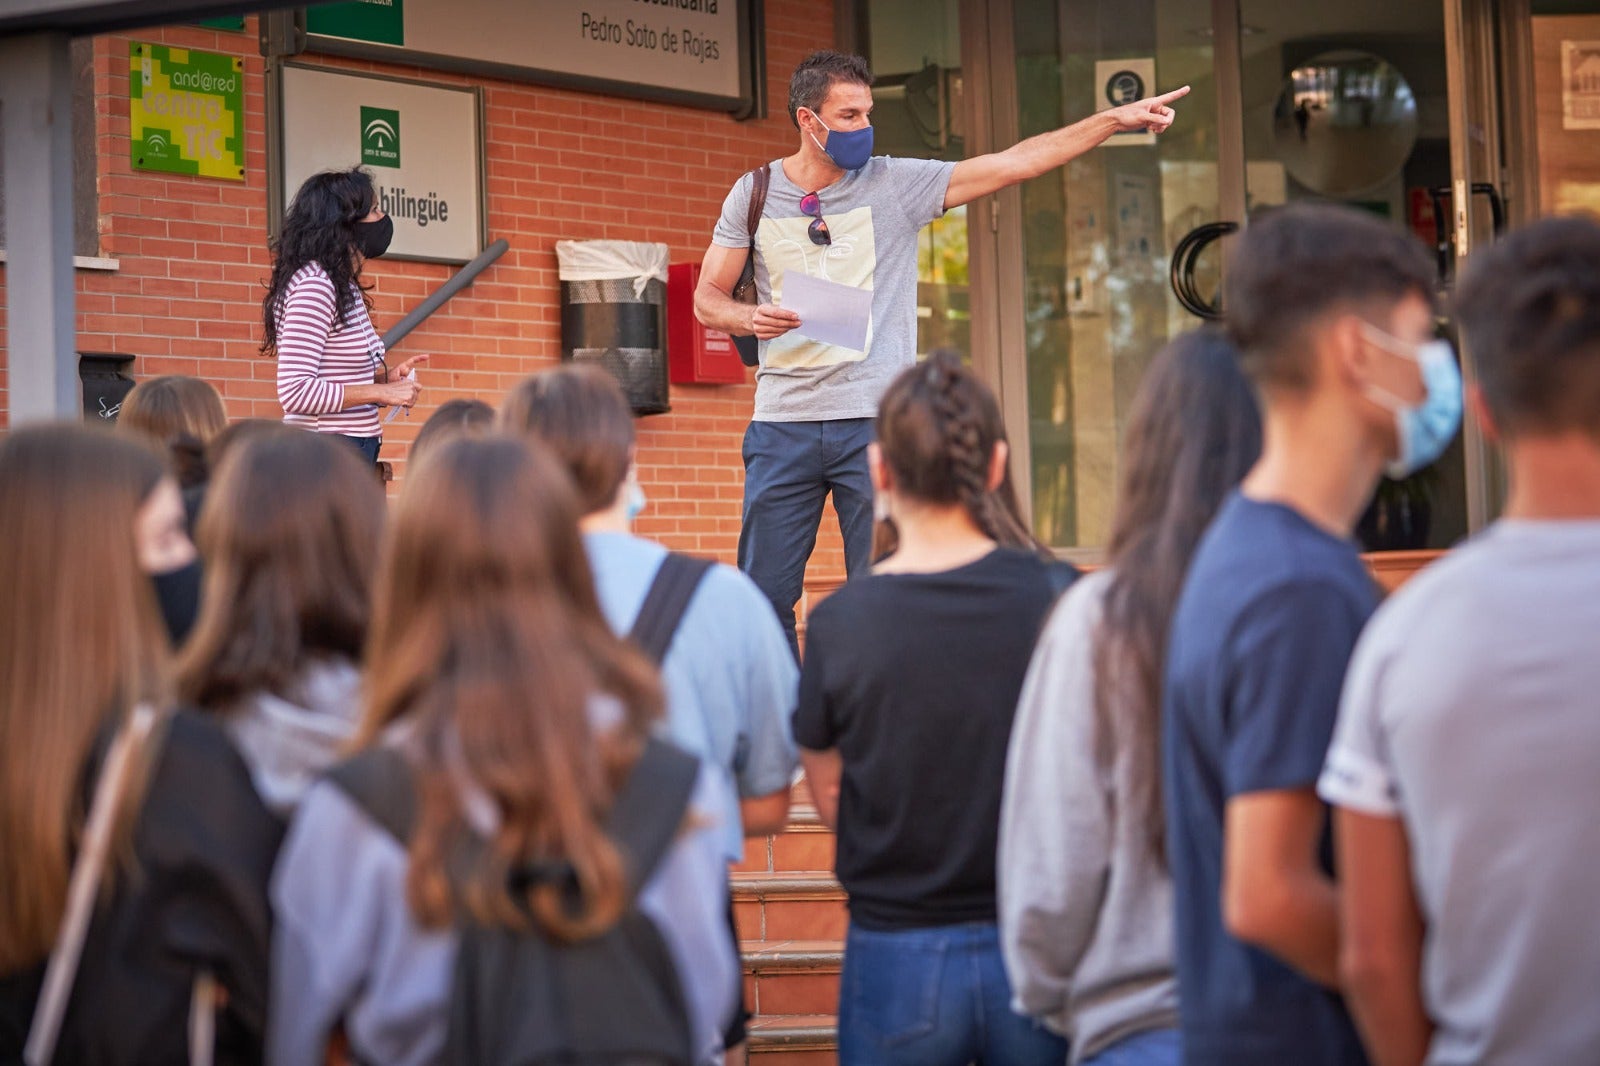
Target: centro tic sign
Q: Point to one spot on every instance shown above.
(186, 111)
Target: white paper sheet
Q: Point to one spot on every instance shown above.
(829, 312)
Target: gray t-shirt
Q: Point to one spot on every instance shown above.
(873, 215)
(1471, 712)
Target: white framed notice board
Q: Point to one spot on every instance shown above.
(421, 142)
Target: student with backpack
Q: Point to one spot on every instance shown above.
(1332, 310)
(134, 852)
(1085, 894)
(1463, 771)
(907, 692)
(513, 870)
(290, 536)
(730, 680)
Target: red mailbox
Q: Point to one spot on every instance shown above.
(696, 354)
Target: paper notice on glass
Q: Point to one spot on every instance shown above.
(829, 312)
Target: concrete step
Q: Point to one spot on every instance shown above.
(795, 1040)
(774, 907)
(792, 977)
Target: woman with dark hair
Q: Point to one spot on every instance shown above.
(332, 377)
(82, 656)
(514, 718)
(1086, 900)
(289, 535)
(907, 690)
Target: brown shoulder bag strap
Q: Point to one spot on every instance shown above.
(760, 177)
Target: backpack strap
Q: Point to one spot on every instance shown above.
(380, 781)
(674, 586)
(650, 809)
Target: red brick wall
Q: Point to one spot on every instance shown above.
(561, 165)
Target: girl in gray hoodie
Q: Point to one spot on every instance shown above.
(289, 534)
(1086, 915)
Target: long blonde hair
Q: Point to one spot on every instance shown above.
(81, 641)
(488, 640)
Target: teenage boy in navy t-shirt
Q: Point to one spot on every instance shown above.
(1332, 310)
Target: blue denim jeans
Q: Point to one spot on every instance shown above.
(1154, 1047)
(789, 469)
(367, 446)
(934, 997)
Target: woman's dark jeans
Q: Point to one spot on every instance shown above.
(367, 446)
(936, 996)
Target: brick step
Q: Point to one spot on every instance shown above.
(792, 977)
(774, 907)
(806, 845)
(795, 1040)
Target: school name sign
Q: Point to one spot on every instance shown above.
(694, 52)
(185, 111)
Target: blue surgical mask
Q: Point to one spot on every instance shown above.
(1424, 430)
(849, 149)
(636, 500)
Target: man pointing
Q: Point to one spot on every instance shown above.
(836, 213)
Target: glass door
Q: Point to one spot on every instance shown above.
(920, 110)
(1091, 243)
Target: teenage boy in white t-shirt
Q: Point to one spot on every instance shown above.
(1465, 766)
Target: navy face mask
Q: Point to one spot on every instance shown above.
(849, 149)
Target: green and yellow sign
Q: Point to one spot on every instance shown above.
(186, 111)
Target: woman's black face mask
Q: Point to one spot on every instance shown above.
(178, 592)
(372, 238)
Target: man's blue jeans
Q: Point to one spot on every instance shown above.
(936, 996)
(789, 469)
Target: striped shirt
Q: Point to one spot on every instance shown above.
(317, 358)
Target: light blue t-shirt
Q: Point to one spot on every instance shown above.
(731, 681)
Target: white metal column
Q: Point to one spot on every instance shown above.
(36, 123)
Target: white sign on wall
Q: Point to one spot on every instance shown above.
(422, 144)
(687, 51)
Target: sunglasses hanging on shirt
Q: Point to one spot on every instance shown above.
(811, 204)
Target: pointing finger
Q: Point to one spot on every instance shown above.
(1167, 98)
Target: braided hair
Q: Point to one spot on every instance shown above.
(937, 428)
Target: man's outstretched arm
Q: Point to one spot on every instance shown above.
(984, 174)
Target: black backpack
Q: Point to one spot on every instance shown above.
(521, 998)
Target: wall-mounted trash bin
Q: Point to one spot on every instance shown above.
(614, 314)
(105, 385)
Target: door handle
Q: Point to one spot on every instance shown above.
(1444, 232)
(1184, 258)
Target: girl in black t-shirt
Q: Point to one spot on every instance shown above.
(910, 680)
